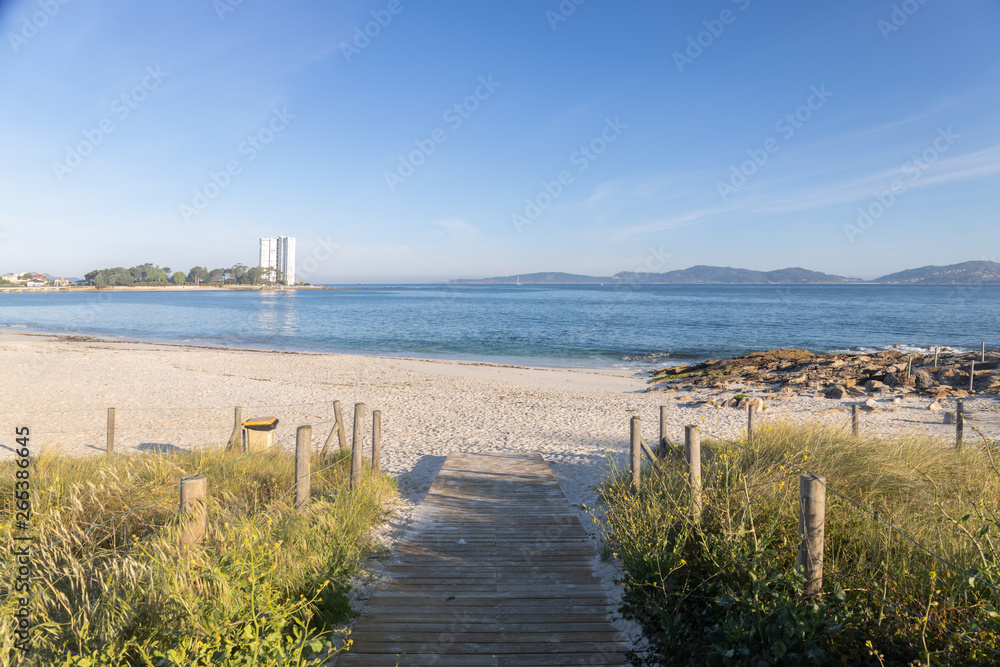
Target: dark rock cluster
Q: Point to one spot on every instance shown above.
(840, 376)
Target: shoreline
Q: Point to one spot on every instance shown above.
(52, 289)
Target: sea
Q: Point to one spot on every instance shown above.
(625, 326)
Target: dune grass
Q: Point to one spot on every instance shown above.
(726, 590)
(266, 587)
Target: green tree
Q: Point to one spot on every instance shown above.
(238, 272)
(215, 275)
(178, 278)
(253, 275)
(197, 274)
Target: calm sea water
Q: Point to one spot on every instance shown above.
(603, 326)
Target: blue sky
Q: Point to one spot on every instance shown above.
(469, 139)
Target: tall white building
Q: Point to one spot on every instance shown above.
(277, 257)
(268, 259)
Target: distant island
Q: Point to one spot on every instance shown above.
(976, 272)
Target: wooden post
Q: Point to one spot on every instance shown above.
(972, 376)
(665, 445)
(909, 365)
(111, 430)
(982, 357)
(376, 440)
(635, 450)
(959, 424)
(692, 452)
(338, 414)
(338, 430)
(812, 528)
(357, 444)
(751, 421)
(936, 351)
(854, 420)
(303, 454)
(236, 439)
(193, 511)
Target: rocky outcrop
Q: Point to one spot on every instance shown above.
(840, 376)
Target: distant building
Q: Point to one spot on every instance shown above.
(12, 278)
(61, 282)
(268, 259)
(277, 257)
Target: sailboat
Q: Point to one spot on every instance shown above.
(518, 281)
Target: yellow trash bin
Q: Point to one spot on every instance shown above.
(260, 433)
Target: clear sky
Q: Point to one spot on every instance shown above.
(471, 139)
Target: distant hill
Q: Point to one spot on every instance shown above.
(981, 272)
(716, 275)
(724, 275)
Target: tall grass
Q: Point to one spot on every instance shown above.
(264, 588)
(725, 590)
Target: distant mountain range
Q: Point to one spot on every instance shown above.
(981, 273)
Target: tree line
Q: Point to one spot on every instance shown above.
(150, 274)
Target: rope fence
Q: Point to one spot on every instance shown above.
(812, 502)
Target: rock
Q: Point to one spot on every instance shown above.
(923, 380)
(934, 406)
(949, 418)
(745, 404)
(871, 404)
(897, 401)
(836, 392)
(890, 380)
(874, 385)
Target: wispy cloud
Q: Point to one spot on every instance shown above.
(456, 226)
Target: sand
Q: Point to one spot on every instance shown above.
(169, 396)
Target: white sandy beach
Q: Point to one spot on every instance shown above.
(181, 396)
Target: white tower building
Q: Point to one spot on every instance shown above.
(277, 258)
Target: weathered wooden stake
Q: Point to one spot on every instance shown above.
(338, 430)
(982, 357)
(338, 414)
(635, 450)
(959, 424)
(812, 528)
(111, 431)
(665, 444)
(936, 351)
(194, 510)
(303, 454)
(909, 365)
(236, 439)
(376, 440)
(854, 420)
(358, 444)
(972, 376)
(692, 452)
(751, 421)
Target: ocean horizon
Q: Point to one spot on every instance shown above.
(630, 326)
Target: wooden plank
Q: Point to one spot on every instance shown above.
(497, 570)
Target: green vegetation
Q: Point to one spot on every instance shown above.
(725, 591)
(148, 274)
(266, 588)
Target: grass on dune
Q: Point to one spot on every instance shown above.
(265, 587)
(726, 590)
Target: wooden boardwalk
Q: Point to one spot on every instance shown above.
(496, 571)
